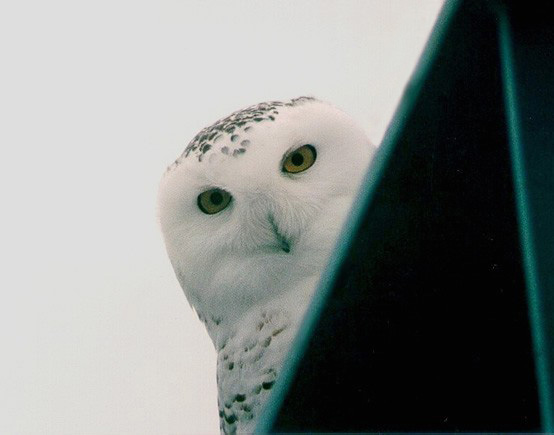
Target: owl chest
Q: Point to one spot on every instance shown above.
(249, 362)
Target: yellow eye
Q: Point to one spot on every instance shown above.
(213, 201)
(300, 159)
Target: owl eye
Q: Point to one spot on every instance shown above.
(300, 159)
(213, 201)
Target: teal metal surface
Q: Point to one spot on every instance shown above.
(534, 187)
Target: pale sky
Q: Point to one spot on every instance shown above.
(96, 98)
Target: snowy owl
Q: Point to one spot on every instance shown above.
(250, 213)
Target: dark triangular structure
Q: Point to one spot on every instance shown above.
(437, 311)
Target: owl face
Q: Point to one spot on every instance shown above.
(253, 206)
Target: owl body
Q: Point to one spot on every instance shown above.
(250, 359)
(250, 213)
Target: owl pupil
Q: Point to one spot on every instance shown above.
(216, 198)
(297, 159)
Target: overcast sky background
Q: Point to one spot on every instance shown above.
(96, 98)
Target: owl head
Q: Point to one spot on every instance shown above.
(252, 208)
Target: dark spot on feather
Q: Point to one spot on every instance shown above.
(267, 385)
(240, 398)
(230, 418)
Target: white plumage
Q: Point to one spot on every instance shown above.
(250, 213)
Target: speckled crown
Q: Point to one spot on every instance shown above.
(231, 132)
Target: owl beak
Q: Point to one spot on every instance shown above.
(282, 241)
(285, 245)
